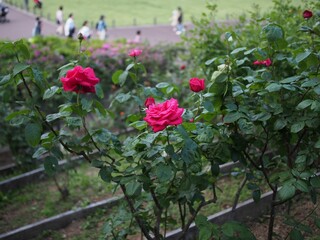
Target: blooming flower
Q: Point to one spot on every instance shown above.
(182, 67)
(149, 101)
(80, 80)
(266, 62)
(307, 14)
(196, 84)
(161, 115)
(135, 52)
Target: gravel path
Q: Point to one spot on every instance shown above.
(21, 23)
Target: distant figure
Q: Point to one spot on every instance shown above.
(85, 30)
(69, 27)
(180, 28)
(101, 28)
(59, 20)
(26, 5)
(174, 19)
(137, 38)
(36, 31)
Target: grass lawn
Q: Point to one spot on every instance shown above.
(144, 12)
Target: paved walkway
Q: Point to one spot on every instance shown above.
(21, 23)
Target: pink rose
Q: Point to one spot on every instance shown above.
(135, 52)
(161, 115)
(257, 62)
(80, 80)
(149, 101)
(307, 14)
(196, 84)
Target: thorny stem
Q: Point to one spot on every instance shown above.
(134, 213)
(272, 213)
(182, 216)
(185, 229)
(236, 198)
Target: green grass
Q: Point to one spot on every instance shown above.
(123, 12)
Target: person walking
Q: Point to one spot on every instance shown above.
(69, 27)
(101, 28)
(174, 19)
(137, 38)
(59, 20)
(36, 31)
(85, 30)
(26, 5)
(180, 28)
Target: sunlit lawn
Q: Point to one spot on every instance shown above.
(145, 12)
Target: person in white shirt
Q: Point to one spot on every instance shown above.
(59, 20)
(85, 30)
(69, 27)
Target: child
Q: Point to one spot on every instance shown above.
(37, 28)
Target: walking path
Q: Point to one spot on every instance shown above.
(21, 23)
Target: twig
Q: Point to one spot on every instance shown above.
(236, 198)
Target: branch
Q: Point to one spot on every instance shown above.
(134, 213)
(236, 198)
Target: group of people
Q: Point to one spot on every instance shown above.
(68, 28)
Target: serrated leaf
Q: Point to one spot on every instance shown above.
(15, 114)
(50, 92)
(32, 134)
(99, 91)
(164, 173)
(297, 127)
(287, 192)
(232, 117)
(139, 125)
(304, 104)
(162, 85)
(122, 97)
(279, 124)
(133, 188)
(20, 67)
(273, 87)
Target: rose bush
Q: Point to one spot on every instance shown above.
(267, 118)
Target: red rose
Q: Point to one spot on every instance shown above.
(80, 80)
(161, 115)
(307, 14)
(149, 101)
(182, 67)
(135, 52)
(267, 62)
(257, 62)
(196, 84)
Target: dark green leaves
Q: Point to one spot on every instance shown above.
(50, 165)
(164, 172)
(50, 92)
(287, 191)
(33, 133)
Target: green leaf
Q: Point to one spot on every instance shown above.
(99, 91)
(50, 92)
(295, 234)
(273, 87)
(116, 75)
(303, 56)
(162, 85)
(208, 106)
(301, 185)
(33, 133)
(232, 117)
(18, 113)
(139, 125)
(50, 165)
(273, 32)
(22, 48)
(121, 98)
(237, 50)
(74, 122)
(133, 188)
(5, 79)
(123, 77)
(304, 104)
(279, 124)
(131, 65)
(256, 195)
(315, 182)
(208, 62)
(100, 108)
(317, 144)
(40, 151)
(297, 127)
(20, 67)
(105, 173)
(287, 192)
(164, 172)
(317, 222)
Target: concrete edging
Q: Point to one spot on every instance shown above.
(244, 211)
(58, 221)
